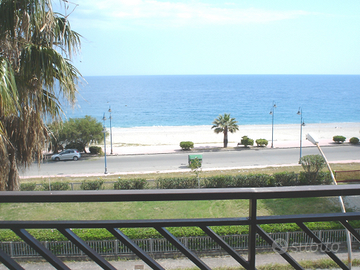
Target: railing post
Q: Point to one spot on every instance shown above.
(252, 233)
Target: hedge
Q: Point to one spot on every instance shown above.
(136, 183)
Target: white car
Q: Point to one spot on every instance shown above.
(67, 155)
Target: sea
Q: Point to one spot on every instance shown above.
(193, 100)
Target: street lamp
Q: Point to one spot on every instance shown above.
(301, 125)
(348, 236)
(272, 112)
(111, 151)
(104, 131)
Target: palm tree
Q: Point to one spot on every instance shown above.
(224, 123)
(36, 46)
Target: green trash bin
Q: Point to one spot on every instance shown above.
(191, 158)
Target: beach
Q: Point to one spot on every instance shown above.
(167, 138)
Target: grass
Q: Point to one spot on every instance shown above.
(159, 210)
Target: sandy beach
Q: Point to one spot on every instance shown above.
(146, 139)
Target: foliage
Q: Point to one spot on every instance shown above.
(245, 141)
(74, 145)
(253, 180)
(137, 183)
(312, 165)
(261, 142)
(219, 181)
(36, 47)
(28, 186)
(339, 139)
(176, 183)
(286, 179)
(78, 133)
(186, 145)
(224, 124)
(55, 186)
(354, 140)
(321, 178)
(92, 185)
(96, 150)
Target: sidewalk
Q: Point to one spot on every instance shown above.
(162, 149)
(183, 263)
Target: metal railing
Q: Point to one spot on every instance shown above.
(296, 241)
(114, 226)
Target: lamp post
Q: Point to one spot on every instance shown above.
(348, 236)
(272, 112)
(301, 125)
(111, 149)
(104, 131)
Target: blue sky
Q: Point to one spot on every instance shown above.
(160, 37)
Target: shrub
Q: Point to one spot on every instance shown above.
(312, 163)
(286, 179)
(218, 181)
(96, 150)
(245, 141)
(354, 140)
(74, 145)
(252, 180)
(176, 183)
(91, 185)
(186, 145)
(310, 178)
(55, 186)
(136, 183)
(27, 186)
(339, 139)
(262, 142)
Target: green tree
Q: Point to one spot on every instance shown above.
(78, 131)
(36, 47)
(224, 124)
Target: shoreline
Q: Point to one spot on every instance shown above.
(173, 135)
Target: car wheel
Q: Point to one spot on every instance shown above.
(75, 158)
(57, 159)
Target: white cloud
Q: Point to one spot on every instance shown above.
(165, 13)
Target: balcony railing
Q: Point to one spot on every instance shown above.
(115, 226)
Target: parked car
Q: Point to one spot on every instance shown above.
(66, 155)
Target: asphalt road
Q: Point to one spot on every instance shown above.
(240, 158)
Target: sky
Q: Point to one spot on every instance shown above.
(163, 37)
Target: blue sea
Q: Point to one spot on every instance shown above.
(191, 100)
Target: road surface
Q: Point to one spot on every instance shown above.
(240, 158)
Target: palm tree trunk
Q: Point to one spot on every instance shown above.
(13, 175)
(225, 137)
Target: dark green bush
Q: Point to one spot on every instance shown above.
(218, 181)
(136, 183)
(96, 150)
(286, 179)
(252, 180)
(339, 139)
(186, 145)
(261, 142)
(176, 183)
(74, 145)
(27, 186)
(55, 186)
(245, 141)
(354, 140)
(91, 185)
(310, 178)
